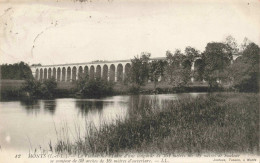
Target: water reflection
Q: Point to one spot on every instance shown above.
(140, 105)
(40, 128)
(87, 105)
(34, 106)
(31, 106)
(49, 106)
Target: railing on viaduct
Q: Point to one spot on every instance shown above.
(115, 71)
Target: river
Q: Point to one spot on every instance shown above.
(26, 125)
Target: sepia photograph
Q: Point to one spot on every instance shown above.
(129, 81)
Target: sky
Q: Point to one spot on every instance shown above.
(64, 31)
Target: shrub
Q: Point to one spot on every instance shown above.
(33, 87)
(40, 90)
(97, 88)
(134, 89)
(48, 87)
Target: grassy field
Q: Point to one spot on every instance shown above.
(11, 84)
(11, 89)
(219, 123)
(17, 84)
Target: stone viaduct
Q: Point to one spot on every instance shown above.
(115, 71)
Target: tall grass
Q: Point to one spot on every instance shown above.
(219, 123)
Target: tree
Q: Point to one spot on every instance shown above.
(194, 56)
(82, 80)
(139, 71)
(245, 69)
(97, 88)
(157, 68)
(48, 87)
(17, 71)
(232, 44)
(199, 69)
(245, 43)
(191, 53)
(177, 73)
(217, 57)
(173, 61)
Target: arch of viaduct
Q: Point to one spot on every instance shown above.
(115, 71)
(110, 70)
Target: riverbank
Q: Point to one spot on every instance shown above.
(12, 89)
(161, 88)
(218, 123)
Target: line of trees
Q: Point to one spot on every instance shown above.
(17, 71)
(215, 65)
(175, 70)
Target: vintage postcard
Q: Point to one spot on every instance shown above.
(129, 81)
